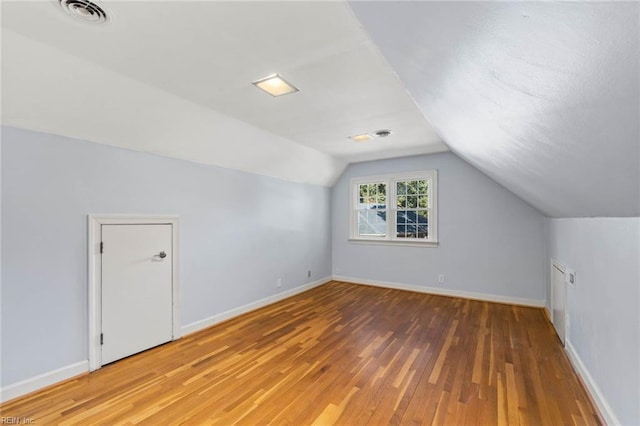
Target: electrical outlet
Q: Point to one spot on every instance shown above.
(441, 278)
(279, 283)
(309, 273)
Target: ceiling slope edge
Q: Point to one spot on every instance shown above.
(48, 90)
(543, 98)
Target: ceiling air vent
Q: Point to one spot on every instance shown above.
(85, 11)
(382, 133)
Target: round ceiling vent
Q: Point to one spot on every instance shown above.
(85, 11)
(382, 133)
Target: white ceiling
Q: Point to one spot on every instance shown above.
(542, 96)
(51, 91)
(209, 52)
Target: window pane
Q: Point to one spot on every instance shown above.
(423, 187)
(404, 221)
(401, 217)
(423, 224)
(373, 189)
(372, 195)
(411, 204)
(372, 222)
(364, 196)
(411, 231)
(422, 217)
(412, 187)
(412, 224)
(401, 188)
(381, 195)
(405, 217)
(364, 191)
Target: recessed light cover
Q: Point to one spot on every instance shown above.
(360, 138)
(275, 85)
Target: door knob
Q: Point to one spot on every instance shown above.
(162, 255)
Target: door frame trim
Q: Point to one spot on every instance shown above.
(95, 222)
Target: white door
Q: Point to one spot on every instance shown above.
(558, 300)
(136, 289)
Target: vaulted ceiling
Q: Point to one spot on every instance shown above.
(543, 97)
(174, 78)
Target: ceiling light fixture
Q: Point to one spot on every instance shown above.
(85, 11)
(275, 85)
(382, 133)
(360, 138)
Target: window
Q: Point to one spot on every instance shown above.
(395, 208)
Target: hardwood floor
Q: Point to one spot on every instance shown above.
(338, 354)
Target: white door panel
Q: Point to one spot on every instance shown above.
(558, 301)
(136, 289)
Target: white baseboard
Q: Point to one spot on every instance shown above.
(603, 406)
(43, 380)
(547, 311)
(30, 385)
(444, 291)
(215, 319)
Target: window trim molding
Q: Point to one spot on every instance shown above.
(391, 179)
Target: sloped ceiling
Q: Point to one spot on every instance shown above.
(48, 90)
(542, 96)
(176, 78)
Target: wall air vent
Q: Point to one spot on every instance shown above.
(85, 11)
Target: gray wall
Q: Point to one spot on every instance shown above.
(238, 233)
(491, 242)
(604, 306)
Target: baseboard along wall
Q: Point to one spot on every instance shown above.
(444, 292)
(218, 318)
(65, 373)
(44, 380)
(592, 388)
(547, 313)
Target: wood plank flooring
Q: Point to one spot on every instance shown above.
(338, 354)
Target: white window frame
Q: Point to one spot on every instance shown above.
(391, 180)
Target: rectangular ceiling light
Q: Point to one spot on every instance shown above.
(275, 85)
(360, 138)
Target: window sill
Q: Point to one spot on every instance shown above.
(394, 242)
